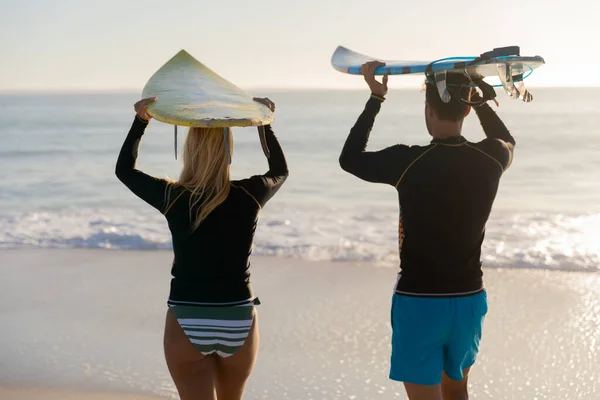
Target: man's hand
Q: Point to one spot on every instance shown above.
(475, 99)
(368, 71)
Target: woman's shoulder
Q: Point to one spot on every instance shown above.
(247, 186)
(247, 183)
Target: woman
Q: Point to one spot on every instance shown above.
(211, 330)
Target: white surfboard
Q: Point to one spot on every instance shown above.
(349, 62)
(505, 62)
(191, 94)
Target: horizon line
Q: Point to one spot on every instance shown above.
(253, 88)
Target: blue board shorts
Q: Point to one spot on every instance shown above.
(435, 334)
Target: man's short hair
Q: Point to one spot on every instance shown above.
(454, 110)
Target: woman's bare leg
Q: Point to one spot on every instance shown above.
(233, 371)
(193, 373)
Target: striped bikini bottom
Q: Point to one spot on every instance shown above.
(220, 330)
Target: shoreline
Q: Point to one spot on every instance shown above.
(291, 259)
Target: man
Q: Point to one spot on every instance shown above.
(446, 190)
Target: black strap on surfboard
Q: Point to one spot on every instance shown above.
(497, 52)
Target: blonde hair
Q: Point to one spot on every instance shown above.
(205, 170)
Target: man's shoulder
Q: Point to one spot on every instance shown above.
(497, 149)
(493, 146)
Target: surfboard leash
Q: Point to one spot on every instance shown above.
(227, 149)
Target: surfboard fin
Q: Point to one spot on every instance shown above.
(263, 141)
(525, 95)
(514, 90)
(442, 88)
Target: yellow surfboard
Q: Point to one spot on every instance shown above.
(191, 94)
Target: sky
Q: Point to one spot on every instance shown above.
(107, 45)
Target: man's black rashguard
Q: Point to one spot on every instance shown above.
(446, 190)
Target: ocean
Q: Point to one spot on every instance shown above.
(58, 188)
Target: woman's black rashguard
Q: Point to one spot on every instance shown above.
(211, 264)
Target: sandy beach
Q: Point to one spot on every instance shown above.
(79, 324)
(45, 394)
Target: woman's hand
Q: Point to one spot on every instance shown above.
(265, 101)
(141, 108)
